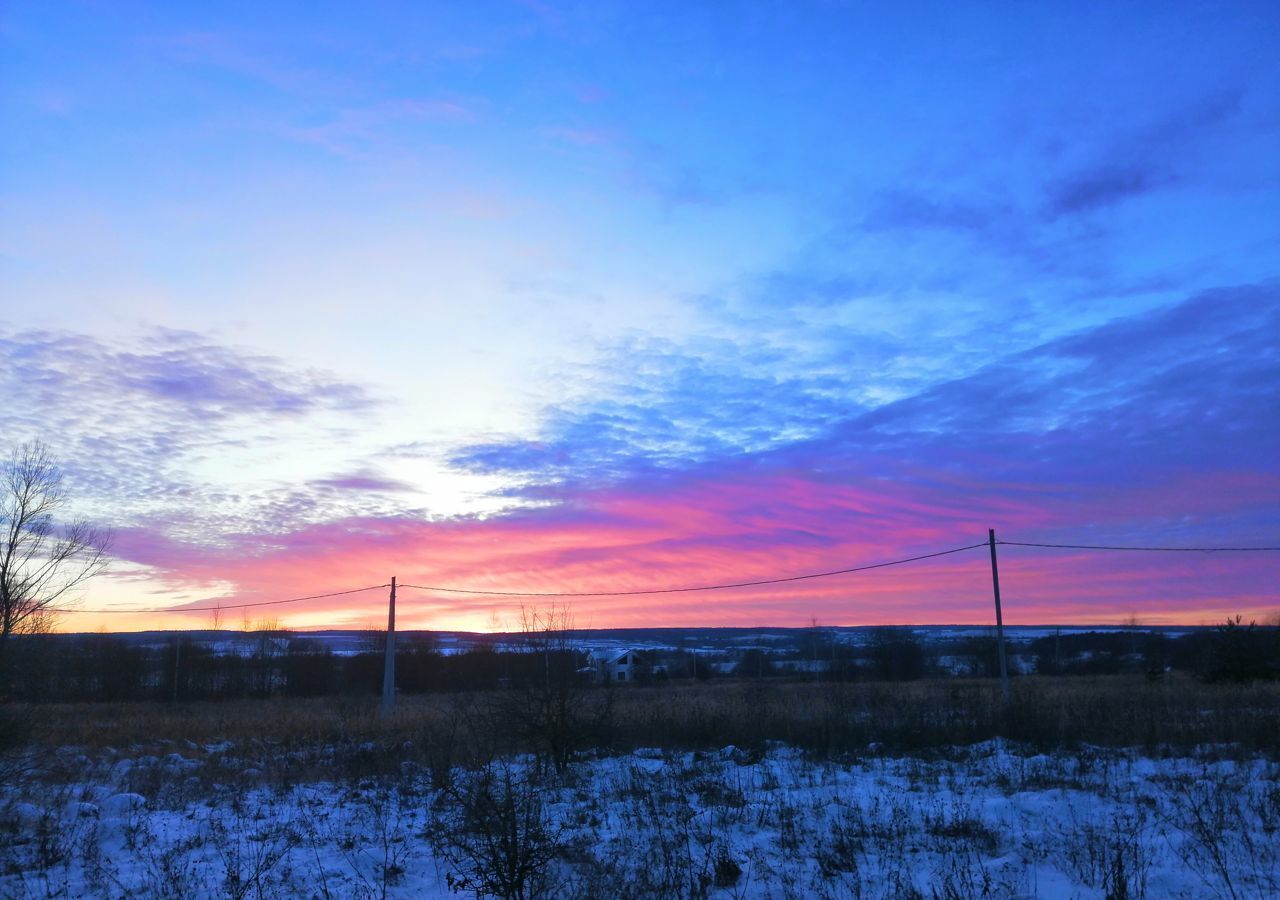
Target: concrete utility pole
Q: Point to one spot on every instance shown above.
(177, 661)
(389, 667)
(995, 584)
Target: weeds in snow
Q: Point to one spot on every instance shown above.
(773, 821)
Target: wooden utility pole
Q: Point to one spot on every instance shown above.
(389, 667)
(995, 584)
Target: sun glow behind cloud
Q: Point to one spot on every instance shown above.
(659, 489)
(729, 528)
(535, 297)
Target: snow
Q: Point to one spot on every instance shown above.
(992, 819)
(122, 806)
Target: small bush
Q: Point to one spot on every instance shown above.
(726, 871)
(494, 830)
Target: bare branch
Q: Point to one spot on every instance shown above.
(42, 560)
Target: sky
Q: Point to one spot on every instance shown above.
(573, 297)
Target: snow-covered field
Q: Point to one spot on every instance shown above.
(982, 821)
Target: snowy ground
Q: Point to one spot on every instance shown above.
(986, 821)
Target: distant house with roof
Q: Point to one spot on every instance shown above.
(614, 666)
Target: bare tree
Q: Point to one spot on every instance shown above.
(553, 708)
(41, 560)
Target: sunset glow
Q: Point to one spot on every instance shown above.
(541, 297)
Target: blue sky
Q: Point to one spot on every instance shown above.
(271, 268)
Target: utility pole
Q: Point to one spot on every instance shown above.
(813, 635)
(995, 584)
(177, 660)
(389, 668)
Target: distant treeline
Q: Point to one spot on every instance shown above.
(107, 667)
(104, 667)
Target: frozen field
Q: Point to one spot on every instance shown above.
(981, 821)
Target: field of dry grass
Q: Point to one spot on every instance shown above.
(1044, 712)
(1107, 786)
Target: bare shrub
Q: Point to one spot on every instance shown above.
(441, 746)
(956, 824)
(493, 829)
(250, 846)
(843, 850)
(1217, 819)
(383, 823)
(662, 845)
(17, 726)
(1112, 856)
(962, 873)
(961, 876)
(1264, 803)
(555, 709)
(170, 869)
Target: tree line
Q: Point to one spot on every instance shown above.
(105, 667)
(272, 662)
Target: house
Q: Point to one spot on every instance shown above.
(614, 665)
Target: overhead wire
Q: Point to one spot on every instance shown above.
(684, 590)
(673, 590)
(221, 608)
(1143, 549)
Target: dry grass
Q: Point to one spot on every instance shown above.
(1045, 712)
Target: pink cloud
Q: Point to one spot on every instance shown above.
(735, 526)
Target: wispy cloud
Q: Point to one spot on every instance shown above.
(1099, 188)
(1140, 401)
(1143, 159)
(190, 373)
(661, 407)
(1154, 428)
(134, 421)
(366, 480)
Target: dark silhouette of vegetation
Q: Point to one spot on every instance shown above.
(1240, 653)
(496, 834)
(897, 654)
(980, 656)
(754, 663)
(439, 730)
(550, 679)
(43, 560)
(550, 703)
(1102, 653)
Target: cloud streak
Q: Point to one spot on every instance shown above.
(1156, 428)
(131, 422)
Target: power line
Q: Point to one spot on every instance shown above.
(1145, 549)
(191, 609)
(679, 590)
(684, 590)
